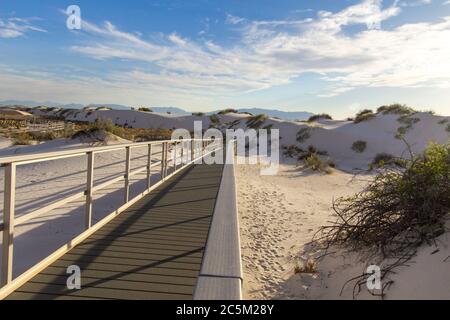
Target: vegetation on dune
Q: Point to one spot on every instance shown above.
(145, 109)
(214, 120)
(255, 122)
(198, 114)
(226, 111)
(103, 108)
(319, 117)
(303, 134)
(359, 146)
(22, 139)
(396, 108)
(382, 160)
(132, 134)
(311, 158)
(395, 214)
(364, 115)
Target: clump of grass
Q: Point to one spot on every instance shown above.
(359, 146)
(443, 121)
(396, 108)
(198, 114)
(303, 134)
(396, 213)
(408, 121)
(315, 163)
(292, 151)
(448, 128)
(256, 122)
(364, 115)
(382, 160)
(22, 139)
(226, 111)
(309, 267)
(319, 117)
(214, 120)
(145, 109)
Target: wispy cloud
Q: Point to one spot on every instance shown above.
(17, 27)
(272, 53)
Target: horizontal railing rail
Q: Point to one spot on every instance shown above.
(184, 153)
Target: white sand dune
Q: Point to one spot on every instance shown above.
(334, 136)
(279, 214)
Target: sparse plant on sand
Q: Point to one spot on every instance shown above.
(22, 139)
(256, 122)
(383, 160)
(364, 115)
(401, 209)
(443, 121)
(145, 109)
(319, 117)
(315, 163)
(309, 267)
(407, 121)
(198, 114)
(303, 134)
(359, 146)
(226, 111)
(396, 108)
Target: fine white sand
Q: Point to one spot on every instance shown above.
(280, 214)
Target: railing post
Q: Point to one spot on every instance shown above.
(166, 159)
(89, 186)
(8, 223)
(192, 150)
(127, 175)
(176, 156)
(163, 153)
(149, 166)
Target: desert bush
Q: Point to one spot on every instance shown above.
(22, 139)
(214, 120)
(315, 163)
(256, 122)
(364, 115)
(145, 109)
(408, 121)
(359, 146)
(396, 108)
(303, 134)
(443, 121)
(103, 108)
(45, 135)
(319, 117)
(226, 111)
(396, 213)
(309, 266)
(198, 114)
(292, 151)
(448, 128)
(386, 160)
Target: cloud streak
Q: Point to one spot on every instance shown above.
(17, 27)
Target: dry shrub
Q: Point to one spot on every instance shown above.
(395, 214)
(22, 139)
(319, 117)
(359, 146)
(364, 115)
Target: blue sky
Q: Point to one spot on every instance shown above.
(320, 56)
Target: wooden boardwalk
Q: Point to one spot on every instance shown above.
(153, 250)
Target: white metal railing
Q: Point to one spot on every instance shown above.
(189, 151)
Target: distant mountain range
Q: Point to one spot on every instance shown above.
(274, 113)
